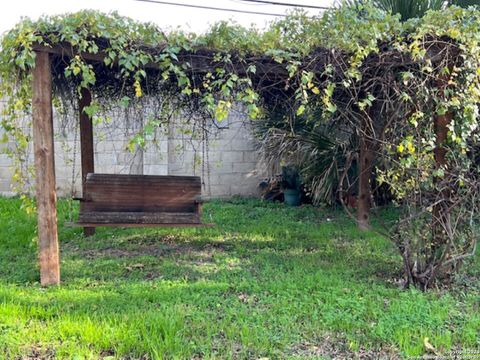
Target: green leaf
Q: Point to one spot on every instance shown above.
(300, 110)
(125, 101)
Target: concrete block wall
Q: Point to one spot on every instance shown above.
(5, 172)
(227, 162)
(5, 163)
(230, 164)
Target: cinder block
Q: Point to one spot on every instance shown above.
(106, 159)
(5, 173)
(136, 168)
(63, 171)
(242, 144)
(229, 134)
(174, 169)
(214, 156)
(186, 156)
(246, 186)
(65, 160)
(119, 169)
(64, 183)
(109, 146)
(220, 145)
(183, 169)
(230, 178)
(232, 156)
(5, 186)
(5, 160)
(110, 169)
(128, 158)
(251, 156)
(9, 146)
(185, 144)
(157, 147)
(220, 167)
(212, 179)
(155, 158)
(245, 167)
(155, 169)
(218, 190)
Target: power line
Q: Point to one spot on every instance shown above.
(210, 8)
(286, 4)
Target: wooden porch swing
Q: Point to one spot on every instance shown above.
(107, 199)
(116, 200)
(139, 201)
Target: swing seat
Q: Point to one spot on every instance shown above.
(116, 200)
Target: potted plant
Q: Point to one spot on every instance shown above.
(291, 185)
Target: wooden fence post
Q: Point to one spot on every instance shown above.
(45, 171)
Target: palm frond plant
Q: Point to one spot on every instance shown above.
(410, 9)
(466, 3)
(320, 153)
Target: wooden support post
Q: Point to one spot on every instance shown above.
(45, 171)
(86, 145)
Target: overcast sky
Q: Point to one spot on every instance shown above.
(165, 15)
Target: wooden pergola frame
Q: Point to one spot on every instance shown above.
(44, 151)
(43, 138)
(44, 134)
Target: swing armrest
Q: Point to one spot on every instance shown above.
(81, 199)
(198, 203)
(199, 200)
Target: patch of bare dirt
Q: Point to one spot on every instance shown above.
(38, 353)
(330, 347)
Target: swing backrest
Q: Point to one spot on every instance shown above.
(140, 199)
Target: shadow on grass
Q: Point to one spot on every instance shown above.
(251, 234)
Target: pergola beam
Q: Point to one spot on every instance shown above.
(200, 61)
(42, 119)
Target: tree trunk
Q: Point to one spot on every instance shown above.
(440, 211)
(439, 214)
(365, 168)
(441, 123)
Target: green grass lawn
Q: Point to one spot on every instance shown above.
(267, 281)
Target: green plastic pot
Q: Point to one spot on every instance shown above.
(292, 197)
